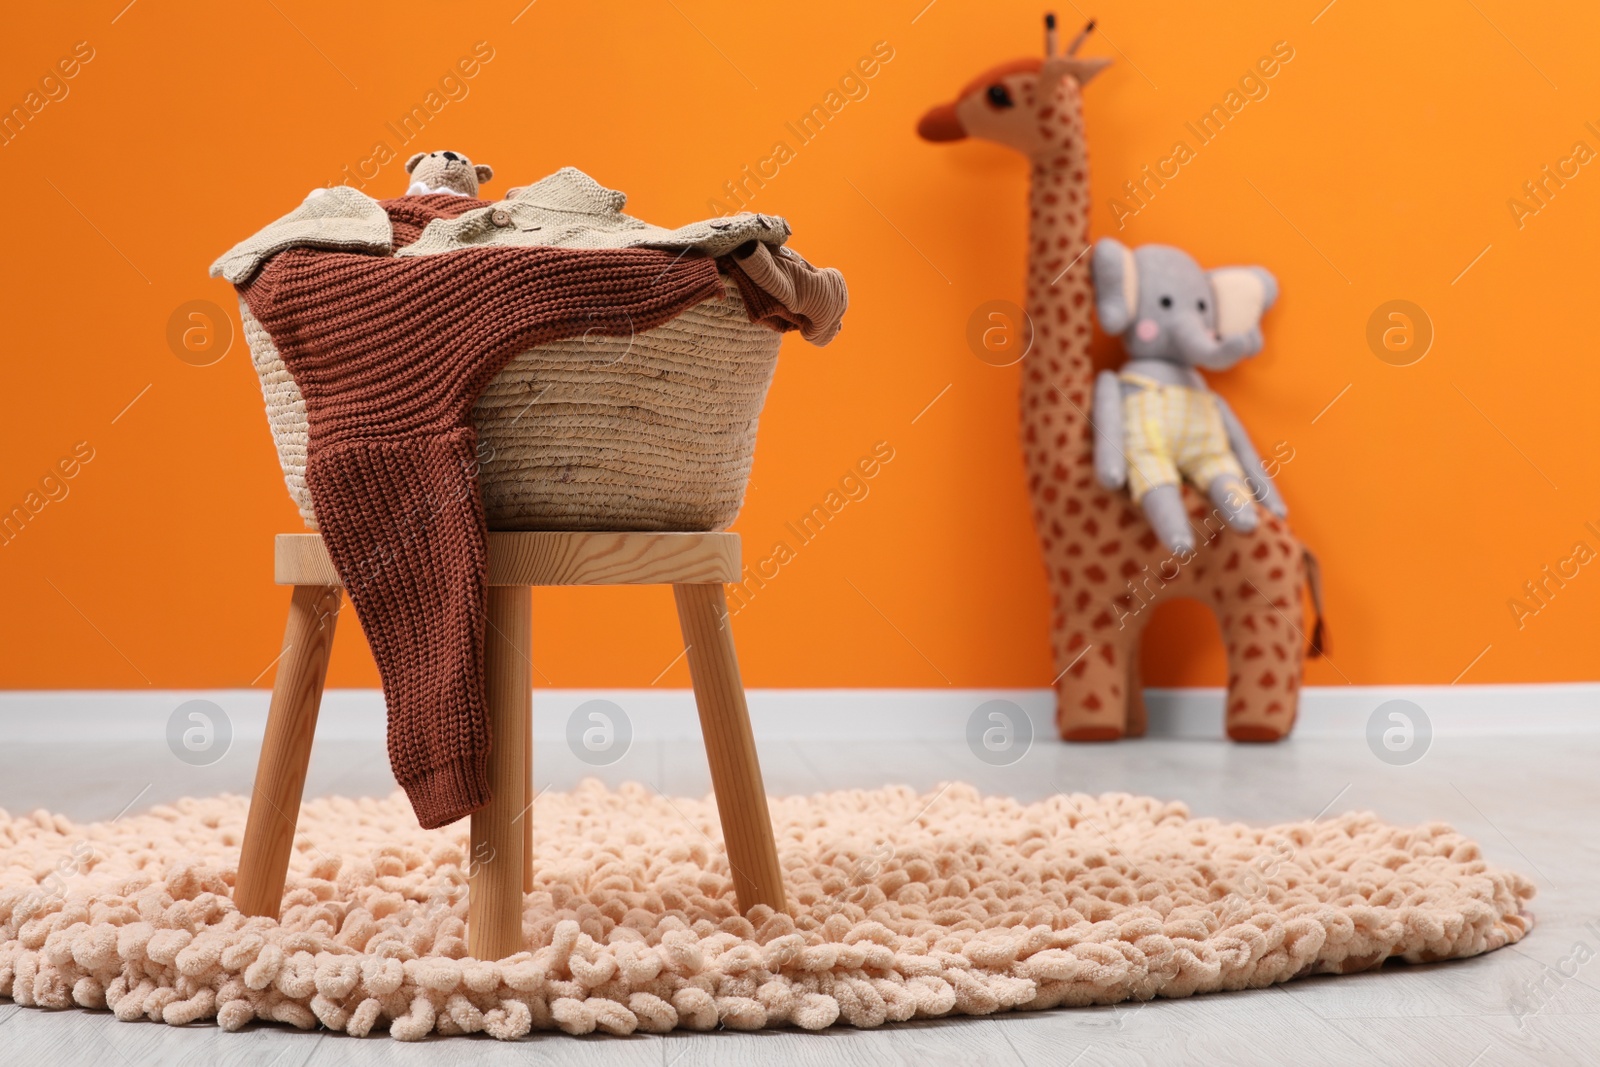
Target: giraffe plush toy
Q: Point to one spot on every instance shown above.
(1105, 564)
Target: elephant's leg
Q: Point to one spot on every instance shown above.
(1092, 689)
(1230, 497)
(1264, 655)
(1163, 506)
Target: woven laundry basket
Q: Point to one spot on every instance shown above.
(651, 432)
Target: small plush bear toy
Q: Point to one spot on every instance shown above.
(1155, 421)
(445, 172)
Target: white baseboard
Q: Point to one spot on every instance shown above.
(800, 714)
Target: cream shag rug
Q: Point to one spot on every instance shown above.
(902, 906)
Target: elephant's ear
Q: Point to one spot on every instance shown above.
(1116, 284)
(1243, 295)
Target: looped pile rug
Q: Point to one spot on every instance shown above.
(901, 906)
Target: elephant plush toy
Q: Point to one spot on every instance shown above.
(1155, 421)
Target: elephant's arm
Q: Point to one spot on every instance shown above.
(1261, 485)
(1110, 463)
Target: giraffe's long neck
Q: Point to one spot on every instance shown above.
(1060, 295)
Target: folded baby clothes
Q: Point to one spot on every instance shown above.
(568, 209)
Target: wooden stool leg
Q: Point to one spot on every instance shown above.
(730, 746)
(494, 902)
(527, 805)
(286, 749)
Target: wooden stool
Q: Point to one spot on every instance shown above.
(695, 564)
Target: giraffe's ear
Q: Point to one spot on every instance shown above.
(1080, 69)
(1243, 295)
(484, 172)
(1116, 284)
(411, 164)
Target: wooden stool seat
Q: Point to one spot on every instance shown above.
(501, 869)
(557, 559)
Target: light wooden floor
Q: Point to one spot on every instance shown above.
(1532, 802)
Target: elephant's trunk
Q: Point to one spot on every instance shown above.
(1201, 346)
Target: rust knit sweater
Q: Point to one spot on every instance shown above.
(390, 355)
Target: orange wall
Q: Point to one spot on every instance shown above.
(1378, 167)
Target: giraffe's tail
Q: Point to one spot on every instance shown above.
(1319, 628)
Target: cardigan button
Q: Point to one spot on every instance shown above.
(500, 217)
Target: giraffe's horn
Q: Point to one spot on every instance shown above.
(1083, 35)
(1049, 34)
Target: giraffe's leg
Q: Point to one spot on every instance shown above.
(1092, 690)
(1264, 655)
(1136, 715)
